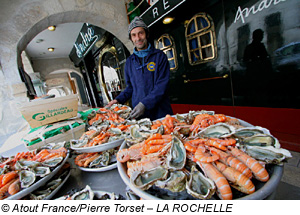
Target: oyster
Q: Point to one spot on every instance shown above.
(102, 160)
(261, 140)
(144, 180)
(25, 164)
(41, 171)
(268, 154)
(176, 156)
(79, 143)
(53, 161)
(145, 122)
(218, 130)
(175, 182)
(139, 132)
(116, 131)
(85, 194)
(200, 186)
(250, 131)
(27, 178)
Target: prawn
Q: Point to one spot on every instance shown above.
(223, 187)
(232, 162)
(201, 156)
(240, 181)
(259, 172)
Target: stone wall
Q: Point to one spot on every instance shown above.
(24, 19)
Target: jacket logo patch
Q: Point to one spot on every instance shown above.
(151, 66)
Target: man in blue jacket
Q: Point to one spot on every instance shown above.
(147, 73)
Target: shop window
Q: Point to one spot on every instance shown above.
(201, 39)
(166, 44)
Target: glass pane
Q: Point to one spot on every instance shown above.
(195, 55)
(205, 39)
(172, 63)
(160, 44)
(207, 52)
(201, 23)
(193, 43)
(167, 41)
(169, 54)
(191, 28)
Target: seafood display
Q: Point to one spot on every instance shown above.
(105, 126)
(97, 161)
(200, 155)
(88, 194)
(48, 190)
(26, 171)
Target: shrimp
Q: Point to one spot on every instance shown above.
(201, 156)
(214, 142)
(15, 187)
(240, 181)
(8, 177)
(260, 173)
(219, 118)
(204, 120)
(129, 154)
(145, 164)
(4, 189)
(232, 162)
(223, 187)
(189, 147)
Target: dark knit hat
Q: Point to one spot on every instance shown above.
(136, 22)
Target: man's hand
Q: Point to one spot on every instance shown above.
(111, 103)
(138, 111)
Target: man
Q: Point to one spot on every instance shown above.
(147, 73)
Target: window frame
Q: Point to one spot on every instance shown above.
(165, 49)
(210, 29)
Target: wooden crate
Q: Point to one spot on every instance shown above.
(46, 111)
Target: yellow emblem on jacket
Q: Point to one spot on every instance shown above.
(151, 66)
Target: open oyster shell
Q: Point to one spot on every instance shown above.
(41, 171)
(175, 182)
(261, 140)
(27, 178)
(85, 194)
(268, 154)
(200, 186)
(144, 180)
(176, 156)
(216, 131)
(250, 131)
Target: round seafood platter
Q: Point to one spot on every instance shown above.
(99, 148)
(193, 152)
(88, 194)
(107, 128)
(97, 161)
(101, 169)
(33, 174)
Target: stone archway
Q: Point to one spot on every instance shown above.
(23, 20)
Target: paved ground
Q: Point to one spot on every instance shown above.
(289, 187)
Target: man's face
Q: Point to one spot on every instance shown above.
(138, 38)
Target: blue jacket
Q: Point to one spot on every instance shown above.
(147, 83)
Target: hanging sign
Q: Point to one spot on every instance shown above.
(159, 9)
(87, 38)
(85, 41)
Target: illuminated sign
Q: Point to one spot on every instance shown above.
(85, 40)
(159, 9)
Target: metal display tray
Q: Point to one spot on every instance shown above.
(37, 184)
(264, 191)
